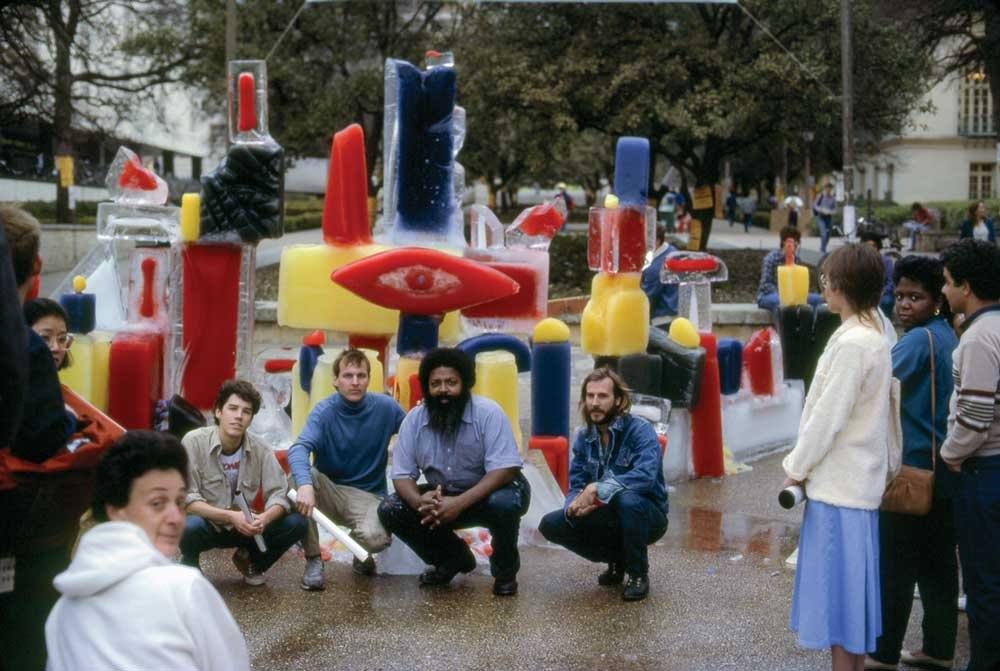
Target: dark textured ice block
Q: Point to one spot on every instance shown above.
(245, 194)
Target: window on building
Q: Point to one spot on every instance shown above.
(975, 105)
(981, 180)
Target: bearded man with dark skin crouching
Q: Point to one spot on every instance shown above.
(464, 446)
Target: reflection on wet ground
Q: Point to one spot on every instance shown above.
(720, 594)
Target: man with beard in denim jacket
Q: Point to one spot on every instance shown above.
(617, 500)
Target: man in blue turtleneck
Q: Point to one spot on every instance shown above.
(347, 434)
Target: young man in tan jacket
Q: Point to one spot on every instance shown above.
(225, 464)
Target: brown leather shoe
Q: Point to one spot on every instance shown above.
(505, 587)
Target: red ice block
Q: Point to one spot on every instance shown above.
(345, 207)
(545, 219)
(211, 319)
(279, 365)
(135, 175)
(523, 304)
(555, 449)
(705, 264)
(135, 377)
(617, 234)
(147, 305)
(421, 281)
(378, 344)
(247, 111)
(706, 417)
(757, 362)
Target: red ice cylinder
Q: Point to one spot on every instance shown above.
(211, 319)
(757, 362)
(247, 103)
(345, 208)
(147, 305)
(135, 378)
(706, 417)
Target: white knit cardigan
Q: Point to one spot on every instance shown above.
(848, 446)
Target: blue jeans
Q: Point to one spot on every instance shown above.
(977, 522)
(770, 302)
(618, 532)
(201, 535)
(824, 222)
(500, 512)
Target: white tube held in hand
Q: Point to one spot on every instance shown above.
(338, 533)
(789, 497)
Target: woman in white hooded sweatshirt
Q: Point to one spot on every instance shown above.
(125, 604)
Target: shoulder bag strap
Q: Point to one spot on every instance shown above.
(930, 342)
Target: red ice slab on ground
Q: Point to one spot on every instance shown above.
(421, 281)
(345, 208)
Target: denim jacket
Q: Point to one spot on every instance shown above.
(631, 462)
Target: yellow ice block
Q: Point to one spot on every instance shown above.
(616, 319)
(496, 378)
(406, 368)
(308, 298)
(550, 329)
(190, 217)
(78, 376)
(300, 403)
(683, 332)
(793, 284)
(100, 369)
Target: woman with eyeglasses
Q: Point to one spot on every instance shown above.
(845, 453)
(48, 319)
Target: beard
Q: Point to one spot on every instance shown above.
(445, 412)
(605, 418)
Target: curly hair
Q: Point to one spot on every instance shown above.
(976, 262)
(128, 459)
(240, 388)
(447, 357)
(928, 273)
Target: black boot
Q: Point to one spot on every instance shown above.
(636, 588)
(613, 576)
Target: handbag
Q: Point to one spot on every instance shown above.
(911, 492)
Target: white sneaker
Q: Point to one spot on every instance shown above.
(312, 577)
(961, 603)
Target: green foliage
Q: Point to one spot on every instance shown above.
(45, 211)
(568, 271)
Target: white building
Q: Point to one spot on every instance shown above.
(948, 154)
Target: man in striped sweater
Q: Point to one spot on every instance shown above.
(972, 287)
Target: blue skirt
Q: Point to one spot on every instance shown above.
(837, 593)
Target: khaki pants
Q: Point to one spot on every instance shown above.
(353, 508)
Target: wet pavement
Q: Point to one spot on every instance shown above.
(719, 600)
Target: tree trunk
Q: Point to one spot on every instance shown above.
(991, 61)
(62, 118)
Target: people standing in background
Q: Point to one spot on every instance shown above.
(920, 551)
(845, 453)
(978, 226)
(972, 287)
(824, 207)
(888, 299)
(662, 297)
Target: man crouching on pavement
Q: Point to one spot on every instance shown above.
(617, 500)
(464, 446)
(226, 462)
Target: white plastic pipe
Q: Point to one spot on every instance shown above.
(338, 533)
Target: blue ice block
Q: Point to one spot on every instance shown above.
(632, 170)
(730, 365)
(498, 341)
(425, 160)
(550, 389)
(417, 333)
(308, 356)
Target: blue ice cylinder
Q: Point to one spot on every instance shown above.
(488, 342)
(730, 365)
(308, 356)
(632, 170)
(550, 382)
(81, 309)
(417, 333)
(426, 101)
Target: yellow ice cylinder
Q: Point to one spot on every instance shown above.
(79, 375)
(550, 329)
(616, 319)
(308, 298)
(496, 378)
(793, 279)
(406, 368)
(300, 403)
(100, 369)
(190, 217)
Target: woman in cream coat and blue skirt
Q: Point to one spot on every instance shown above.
(846, 452)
